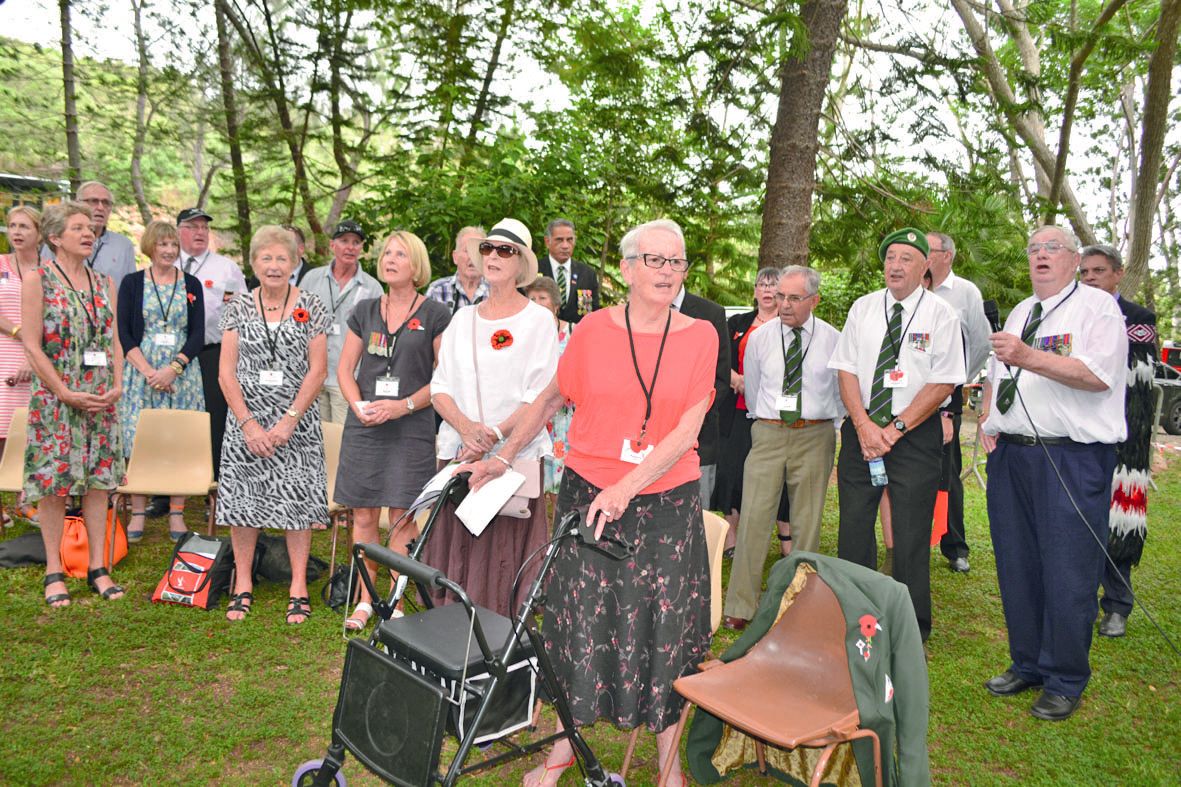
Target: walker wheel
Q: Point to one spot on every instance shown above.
(305, 775)
(615, 780)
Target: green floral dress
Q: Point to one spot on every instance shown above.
(70, 451)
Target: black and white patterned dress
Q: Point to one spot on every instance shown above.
(287, 490)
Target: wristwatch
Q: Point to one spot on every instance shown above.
(293, 413)
(409, 404)
(900, 425)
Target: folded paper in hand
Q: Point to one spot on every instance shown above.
(480, 506)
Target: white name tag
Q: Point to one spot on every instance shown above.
(386, 386)
(270, 377)
(166, 340)
(895, 378)
(790, 403)
(634, 451)
(334, 330)
(94, 358)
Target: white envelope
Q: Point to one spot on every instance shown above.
(479, 507)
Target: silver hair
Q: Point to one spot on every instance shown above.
(553, 225)
(1103, 250)
(945, 241)
(473, 229)
(90, 184)
(811, 277)
(630, 244)
(1068, 238)
(53, 220)
(770, 273)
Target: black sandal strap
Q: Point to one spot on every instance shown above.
(54, 577)
(112, 590)
(95, 573)
(785, 538)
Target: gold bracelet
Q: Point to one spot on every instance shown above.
(176, 367)
(15, 332)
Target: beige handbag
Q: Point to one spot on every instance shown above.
(517, 505)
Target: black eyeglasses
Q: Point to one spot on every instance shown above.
(678, 264)
(503, 250)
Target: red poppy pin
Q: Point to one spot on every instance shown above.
(502, 339)
(192, 297)
(209, 284)
(415, 325)
(300, 315)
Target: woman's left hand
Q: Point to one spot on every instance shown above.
(162, 379)
(281, 432)
(24, 374)
(112, 395)
(608, 506)
(382, 410)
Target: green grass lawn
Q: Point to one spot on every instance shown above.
(134, 693)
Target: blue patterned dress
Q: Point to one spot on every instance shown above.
(165, 312)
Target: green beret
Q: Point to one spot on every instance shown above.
(908, 236)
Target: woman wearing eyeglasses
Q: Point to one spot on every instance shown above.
(640, 376)
(494, 359)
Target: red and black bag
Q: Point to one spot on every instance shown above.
(198, 573)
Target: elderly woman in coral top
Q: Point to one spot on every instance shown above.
(640, 376)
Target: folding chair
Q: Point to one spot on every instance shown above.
(715, 541)
(800, 663)
(12, 464)
(172, 455)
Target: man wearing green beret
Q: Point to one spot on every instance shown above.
(899, 357)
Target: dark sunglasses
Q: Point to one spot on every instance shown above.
(503, 250)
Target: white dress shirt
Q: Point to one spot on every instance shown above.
(219, 276)
(763, 370)
(931, 348)
(1083, 323)
(965, 298)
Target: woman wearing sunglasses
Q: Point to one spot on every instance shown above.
(494, 359)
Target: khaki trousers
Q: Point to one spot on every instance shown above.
(804, 459)
(333, 408)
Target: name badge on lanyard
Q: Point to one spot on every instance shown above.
(787, 402)
(94, 358)
(635, 451)
(165, 340)
(895, 378)
(270, 377)
(387, 385)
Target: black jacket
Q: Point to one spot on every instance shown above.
(582, 277)
(131, 313)
(702, 309)
(738, 326)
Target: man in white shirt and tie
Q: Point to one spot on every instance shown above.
(220, 279)
(794, 397)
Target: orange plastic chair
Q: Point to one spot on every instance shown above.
(801, 663)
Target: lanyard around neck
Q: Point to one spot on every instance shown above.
(631, 343)
(92, 312)
(171, 297)
(896, 347)
(272, 337)
(391, 340)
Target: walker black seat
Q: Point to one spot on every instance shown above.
(438, 639)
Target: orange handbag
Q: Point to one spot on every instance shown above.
(75, 548)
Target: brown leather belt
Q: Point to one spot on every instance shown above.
(799, 424)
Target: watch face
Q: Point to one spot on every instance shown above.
(900, 425)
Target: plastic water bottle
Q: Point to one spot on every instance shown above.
(877, 472)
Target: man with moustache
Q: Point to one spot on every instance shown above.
(1054, 412)
(220, 279)
(577, 283)
(899, 358)
(466, 286)
(340, 286)
(793, 395)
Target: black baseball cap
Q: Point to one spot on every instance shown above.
(348, 225)
(188, 214)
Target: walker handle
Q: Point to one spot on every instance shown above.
(419, 572)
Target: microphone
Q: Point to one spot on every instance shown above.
(992, 313)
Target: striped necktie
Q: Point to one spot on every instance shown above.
(793, 377)
(1007, 391)
(562, 282)
(189, 263)
(881, 398)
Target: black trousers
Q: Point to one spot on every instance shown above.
(954, 542)
(215, 400)
(913, 467)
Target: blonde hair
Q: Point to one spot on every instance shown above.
(156, 232)
(53, 221)
(274, 235)
(418, 255)
(27, 210)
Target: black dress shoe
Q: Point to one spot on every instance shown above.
(1009, 683)
(959, 565)
(1113, 625)
(1054, 707)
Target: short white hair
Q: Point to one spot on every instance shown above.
(811, 277)
(629, 246)
(1068, 238)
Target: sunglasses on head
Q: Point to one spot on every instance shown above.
(503, 250)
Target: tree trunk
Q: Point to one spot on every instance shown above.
(141, 119)
(506, 18)
(73, 151)
(1157, 93)
(225, 64)
(791, 171)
